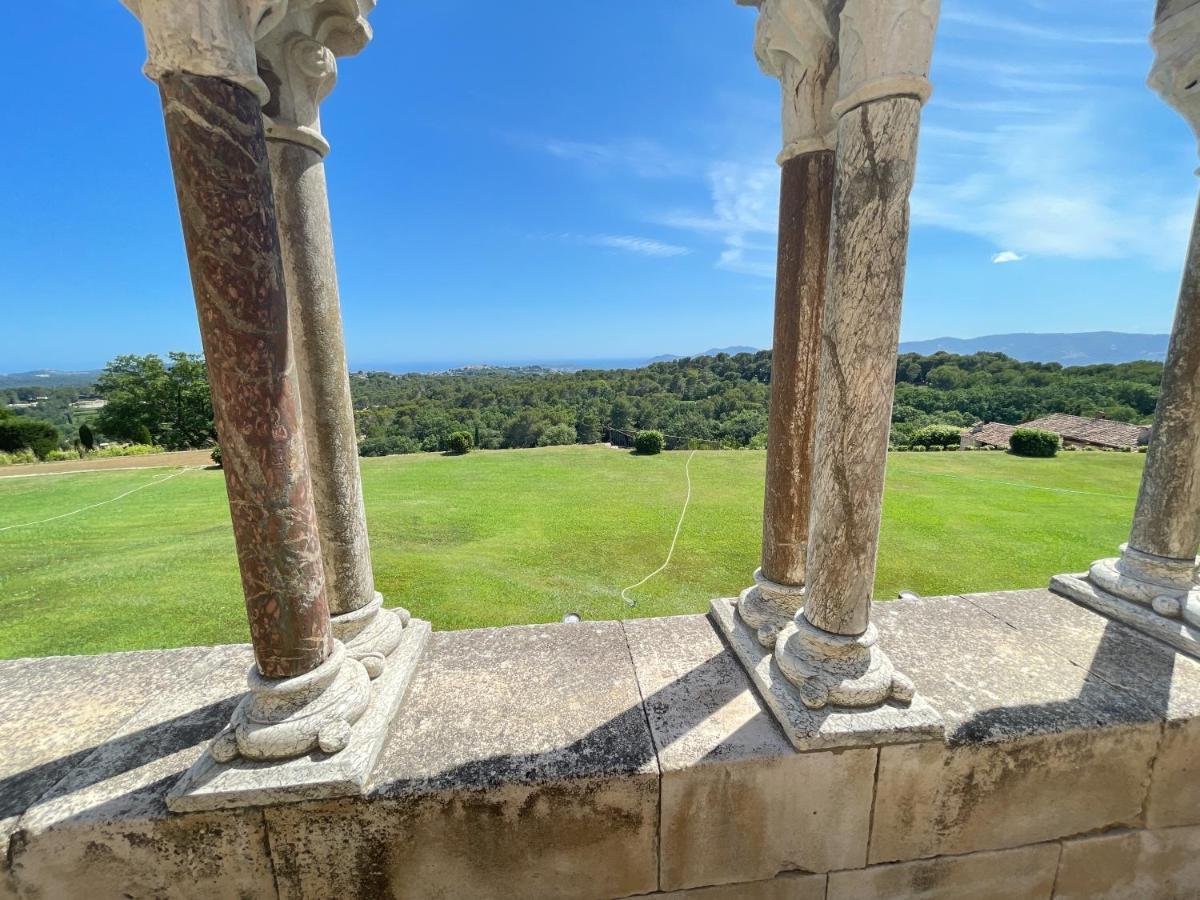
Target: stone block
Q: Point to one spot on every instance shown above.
(54, 712)
(520, 765)
(738, 803)
(104, 830)
(1175, 783)
(1135, 865)
(1024, 873)
(933, 800)
(785, 887)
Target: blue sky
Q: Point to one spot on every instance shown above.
(537, 180)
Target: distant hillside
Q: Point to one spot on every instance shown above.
(48, 378)
(712, 351)
(1082, 349)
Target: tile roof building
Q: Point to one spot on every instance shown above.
(1074, 430)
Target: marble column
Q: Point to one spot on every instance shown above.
(298, 61)
(830, 652)
(795, 43)
(304, 693)
(1154, 584)
(825, 680)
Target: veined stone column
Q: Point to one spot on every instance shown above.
(830, 653)
(306, 697)
(1154, 584)
(828, 682)
(795, 43)
(297, 60)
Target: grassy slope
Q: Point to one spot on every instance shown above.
(525, 536)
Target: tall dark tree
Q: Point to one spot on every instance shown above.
(169, 401)
(86, 438)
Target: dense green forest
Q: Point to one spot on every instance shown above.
(720, 400)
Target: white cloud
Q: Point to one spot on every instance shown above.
(640, 245)
(1053, 188)
(1007, 256)
(744, 215)
(644, 158)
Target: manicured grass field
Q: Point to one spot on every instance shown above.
(526, 536)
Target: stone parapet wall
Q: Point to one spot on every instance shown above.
(606, 760)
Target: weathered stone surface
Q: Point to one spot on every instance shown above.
(1083, 590)
(995, 681)
(210, 784)
(1026, 873)
(54, 712)
(738, 804)
(1138, 865)
(104, 829)
(1164, 682)
(830, 727)
(933, 800)
(1175, 784)
(1039, 747)
(521, 758)
(785, 887)
(222, 177)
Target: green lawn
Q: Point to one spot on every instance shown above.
(526, 536)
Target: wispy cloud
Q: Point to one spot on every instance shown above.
(640, 156)
(744, 215)
(1019, 28)
(639, 245)
(1054, 188)
(1007, 256)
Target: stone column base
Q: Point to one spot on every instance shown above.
(1133, 592)
(228, 776)
(769, 607)
(828, 727)
(838, 670)
(371, 633)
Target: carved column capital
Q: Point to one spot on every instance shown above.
(795, 41)
(1175, 74)
(298, 60)
(885, 47)
(207, 37)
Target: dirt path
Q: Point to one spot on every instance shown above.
(149, 461)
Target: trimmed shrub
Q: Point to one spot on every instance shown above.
(460, 442)
(648, 443)
(917, 448)
(216, 455)
(937, 436)
(128, 450)
(141, 435)
(23, 433)
(61, 455)
(935, 448)
(87, 437)
(557, 436)
(1034, 442)
(17, 457)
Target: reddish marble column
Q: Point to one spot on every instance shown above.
(219, 157)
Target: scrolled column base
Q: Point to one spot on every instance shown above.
(830, 727)
(1157, 596)
(308, 738)
(371, 633)
(768, 607)
(838, 670)
(282, 718)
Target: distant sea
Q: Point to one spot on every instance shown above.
(401, 368)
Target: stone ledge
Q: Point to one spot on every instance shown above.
(539, 758)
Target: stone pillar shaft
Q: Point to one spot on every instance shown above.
(222, 177)
(861, 328)
(805, 201)
(1166, 521)
(307, 242)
